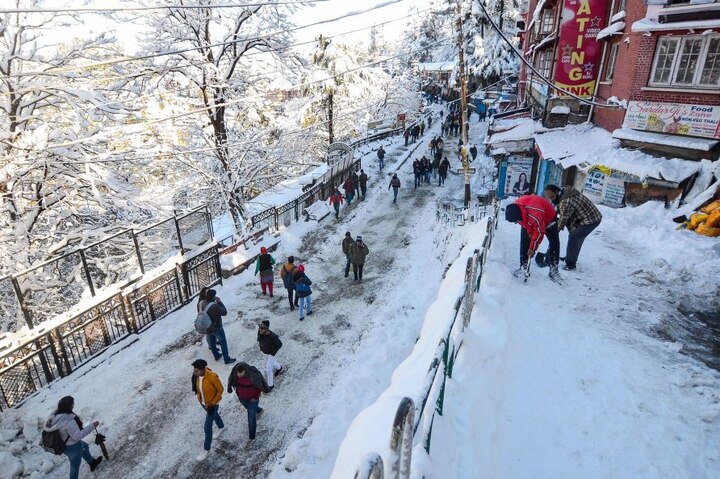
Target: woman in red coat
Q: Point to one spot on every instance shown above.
(537, 217)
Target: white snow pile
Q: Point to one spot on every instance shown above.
(689, 142)
(613, 100)
(585, 146)
(612, 29)
(560, 110)
(513, 130)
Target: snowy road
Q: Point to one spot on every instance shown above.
(338, 359)
(575, 381)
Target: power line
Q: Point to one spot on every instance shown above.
(532, 68)
(52, 71)
(141, 9)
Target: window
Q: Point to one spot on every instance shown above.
(543, 62)
(687, 61)
(612, 59)
(547, 21)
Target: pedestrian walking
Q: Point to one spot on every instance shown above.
(214, 307)
(286, 274)
(347, 243)
(269, 344)
(576, 213)
(432, 146)
(356, 183)
(537, 217)
(359, 252)
(418, 172)
(209, 390)
(264, 266)
(349, 188)
(336, 200)
(381, 156)
(395, 185)
(248, 384)
(435, 165)
(427, 169)
(362, 180)
(422, 128)
(443, 171)
(440, 145)
(406, 135)
(71, 433)
(303, 291)
(473, 152)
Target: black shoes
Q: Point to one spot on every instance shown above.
(278, 372)
(95, 463)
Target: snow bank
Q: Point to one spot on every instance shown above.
(560, 110)
(512, 130)
(612, 29)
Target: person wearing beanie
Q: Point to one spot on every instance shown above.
(216, 335)
(208, 390)
(537, 217)
(395, 184)
(359, 252)
(269, 344)
(72, 432)
(286, 275)
(347, 243)
(303, 291)
(264, 266)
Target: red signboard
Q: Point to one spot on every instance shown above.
(578, 53)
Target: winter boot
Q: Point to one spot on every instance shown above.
(554, 274)
(520, 271)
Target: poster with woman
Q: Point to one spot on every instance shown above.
(517, 177)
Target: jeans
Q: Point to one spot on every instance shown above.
(576, 238)
(363, 190)
(271, 365)
(357, 271)
(347, 264)
(252, 407)
(553, 236)
(381, 162)
(337, 209)
(441, 180)
(302, 301)
(209, 420)
(395, 193)
(75, 453)
(418, 179)
(290, 292)
(218, 336)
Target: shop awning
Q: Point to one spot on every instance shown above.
(690, 143)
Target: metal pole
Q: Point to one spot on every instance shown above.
(137, 251)
(21, 301)
(88, 277)
(463, 106)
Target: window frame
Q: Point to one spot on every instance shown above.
(545, 28)
(611, 62)
(680, 42)
(544, 64)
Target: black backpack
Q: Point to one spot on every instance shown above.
(52, 442)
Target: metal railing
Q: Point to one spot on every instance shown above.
(409, 418)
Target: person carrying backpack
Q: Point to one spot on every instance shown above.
(209, 390)
(264, 266)
(63, 434)
(336, 200)
(347, 243)
(215, 309)
(286, 274)
(359, 252)
(248, 384)
(269, 344)
(381, 157)
(395, 184)
(303, 291)
(362, 179)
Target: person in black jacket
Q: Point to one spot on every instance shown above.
(269, 344)
(217, 334)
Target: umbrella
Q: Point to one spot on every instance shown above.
(100, 441)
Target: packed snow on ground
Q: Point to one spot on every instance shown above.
(338, 360)
(598, 378)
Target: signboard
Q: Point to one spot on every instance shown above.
(515, 176)
(674, 118)
(606, 186)
(578, 52)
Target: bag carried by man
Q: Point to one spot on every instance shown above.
(203, 321)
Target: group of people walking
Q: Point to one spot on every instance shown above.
(354, 185)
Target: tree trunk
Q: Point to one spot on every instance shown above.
(234, 197)
(331, 135)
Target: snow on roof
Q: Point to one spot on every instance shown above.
(614, 29)
(544, 42)
(538, 10)
(702, 144)
(585, 146)
(513, 130)
(648, 25)
(436, 66)
(618, 16)
(561, 110)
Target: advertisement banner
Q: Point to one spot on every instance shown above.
(606, 186)
(578, 52)
(674, 118)
(517, 178)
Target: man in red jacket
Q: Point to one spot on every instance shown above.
(538, 219)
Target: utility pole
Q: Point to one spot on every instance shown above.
(331, 133)
(463, 104)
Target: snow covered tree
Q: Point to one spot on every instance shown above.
(217, 53)
(493, 56)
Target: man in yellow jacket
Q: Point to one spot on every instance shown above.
(209, 390)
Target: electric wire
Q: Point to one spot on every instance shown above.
(162, 7)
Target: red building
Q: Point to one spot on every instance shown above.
(659, 63)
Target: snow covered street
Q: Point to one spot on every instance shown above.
(592, 379)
